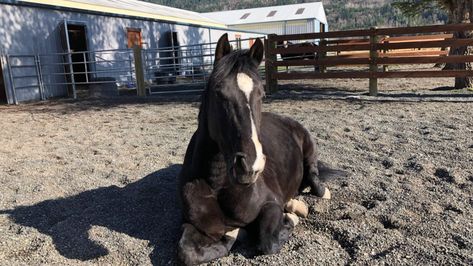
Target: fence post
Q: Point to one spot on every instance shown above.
(322, 69)
(270, 69)
(373, 62)
(139, 73)
(385, 51)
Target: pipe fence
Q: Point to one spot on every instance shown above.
(164, 70)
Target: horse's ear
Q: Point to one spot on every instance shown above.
(223, 48)
(257, 51)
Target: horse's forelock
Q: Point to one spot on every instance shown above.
(232, 64)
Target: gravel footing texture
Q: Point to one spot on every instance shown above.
(94, 182)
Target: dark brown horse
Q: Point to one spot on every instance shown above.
(243, 166)
(299, 56)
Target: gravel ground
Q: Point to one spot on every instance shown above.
(91, 182)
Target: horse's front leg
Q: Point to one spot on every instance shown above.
(275, 227)
(196, 248)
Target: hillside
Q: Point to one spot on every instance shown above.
(341, 15)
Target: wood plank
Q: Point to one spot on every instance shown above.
(327, 75)
(425, 74)
(414, 53)
(327, 61)
(425, 44)
(321, 35)
(345, 41)
(425, 60)
(425, 29)
(313, 49)
(381, 31)
(419, 38)
(359, 74)
(397, 54)
(354, 55)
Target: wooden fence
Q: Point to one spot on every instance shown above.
(371, 48)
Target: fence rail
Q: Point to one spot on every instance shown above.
(373, 48)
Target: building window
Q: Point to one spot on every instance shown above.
(272, 13)
(245, 16)
(133, 37)
(300, 11)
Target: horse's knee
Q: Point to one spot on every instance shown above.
(297, 207)
(195, 248)
(188, 252)
(275, 228)
(202, 210)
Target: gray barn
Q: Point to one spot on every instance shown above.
(40, 30)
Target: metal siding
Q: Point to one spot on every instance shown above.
(298, 26)
(268, 28)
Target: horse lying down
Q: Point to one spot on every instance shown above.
(243, 167)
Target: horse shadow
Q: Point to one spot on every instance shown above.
(147, 209)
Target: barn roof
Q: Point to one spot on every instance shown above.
(133, 8)
(313, 10)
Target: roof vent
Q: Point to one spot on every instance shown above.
(300, 11)
(245, 16)
(272, 13)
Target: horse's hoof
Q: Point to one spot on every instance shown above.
(297, 207)
(233, 234)
(292, 218)
(327, 194)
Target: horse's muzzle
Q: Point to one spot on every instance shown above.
(242, 172)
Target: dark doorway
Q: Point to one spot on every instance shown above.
(78, 43)
(174, 43)
(3, 93)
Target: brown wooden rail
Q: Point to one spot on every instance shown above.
(372, 47)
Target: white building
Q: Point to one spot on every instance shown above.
(287, 19)
(38, 27)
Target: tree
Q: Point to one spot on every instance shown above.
(459, 11)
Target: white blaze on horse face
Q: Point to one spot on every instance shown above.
(245, 84)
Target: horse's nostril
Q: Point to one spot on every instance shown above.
(240, 163)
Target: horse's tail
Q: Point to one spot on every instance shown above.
(328, 173)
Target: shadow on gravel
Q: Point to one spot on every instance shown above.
(147, 209)
(69, 106)
(394, 96)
